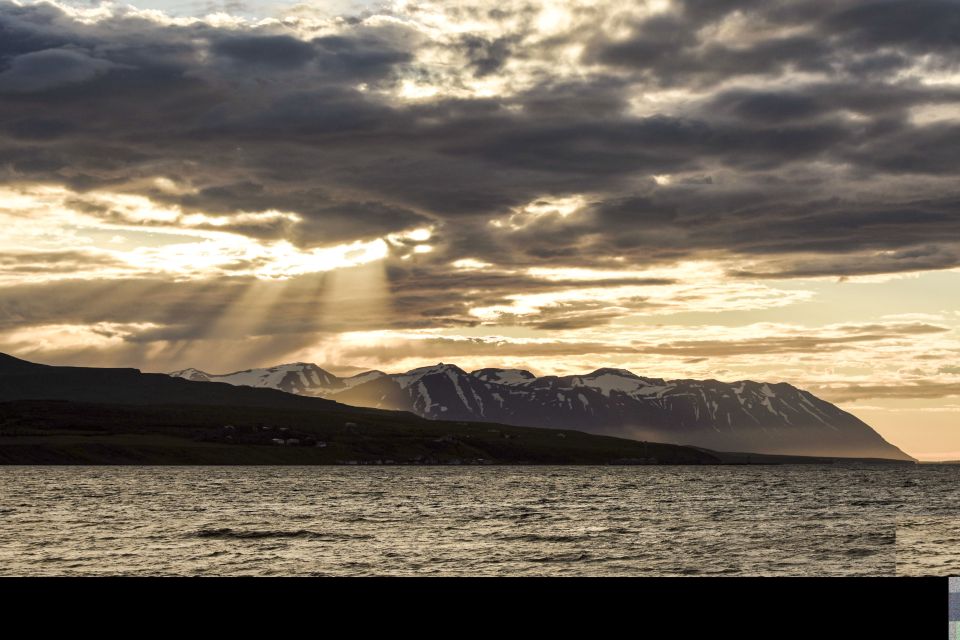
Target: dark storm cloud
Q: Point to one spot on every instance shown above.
(269, 51)
(812, 266)
(818, 100)
(39, 128)
(363, 56)
(920, 26)
(845, 36)
(50, 69)
(838, 165)
(601, 154)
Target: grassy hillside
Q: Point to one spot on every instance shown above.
(63, 432)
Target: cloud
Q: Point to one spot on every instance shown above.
(792, 344)
(591, 168)
(310, 117)
(278, 52)
(926, 389)
(751, 38)
(50, 69)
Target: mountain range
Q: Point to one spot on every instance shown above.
(86, 415)
(758, 417)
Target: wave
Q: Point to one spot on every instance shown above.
(536, 537)
(246, 534)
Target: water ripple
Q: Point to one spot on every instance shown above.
(336, 521)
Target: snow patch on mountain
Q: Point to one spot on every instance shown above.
(412, 376)
(192, 374)
(360, 378)
(607, 381)
(303, 378)
(503, 376)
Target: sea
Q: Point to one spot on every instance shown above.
(789, 520)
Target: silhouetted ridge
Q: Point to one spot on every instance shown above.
(21, 380)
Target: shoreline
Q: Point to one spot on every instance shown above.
(125, 449)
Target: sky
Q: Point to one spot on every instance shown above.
(686, 189)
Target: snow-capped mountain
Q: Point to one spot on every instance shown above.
(740, 416)
(301, 378)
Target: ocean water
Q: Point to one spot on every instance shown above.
(452, 521)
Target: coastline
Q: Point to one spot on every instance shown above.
(156, 449)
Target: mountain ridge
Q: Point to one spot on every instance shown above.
(744, 415)
(87, 415)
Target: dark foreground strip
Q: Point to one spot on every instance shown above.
(598, 607)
